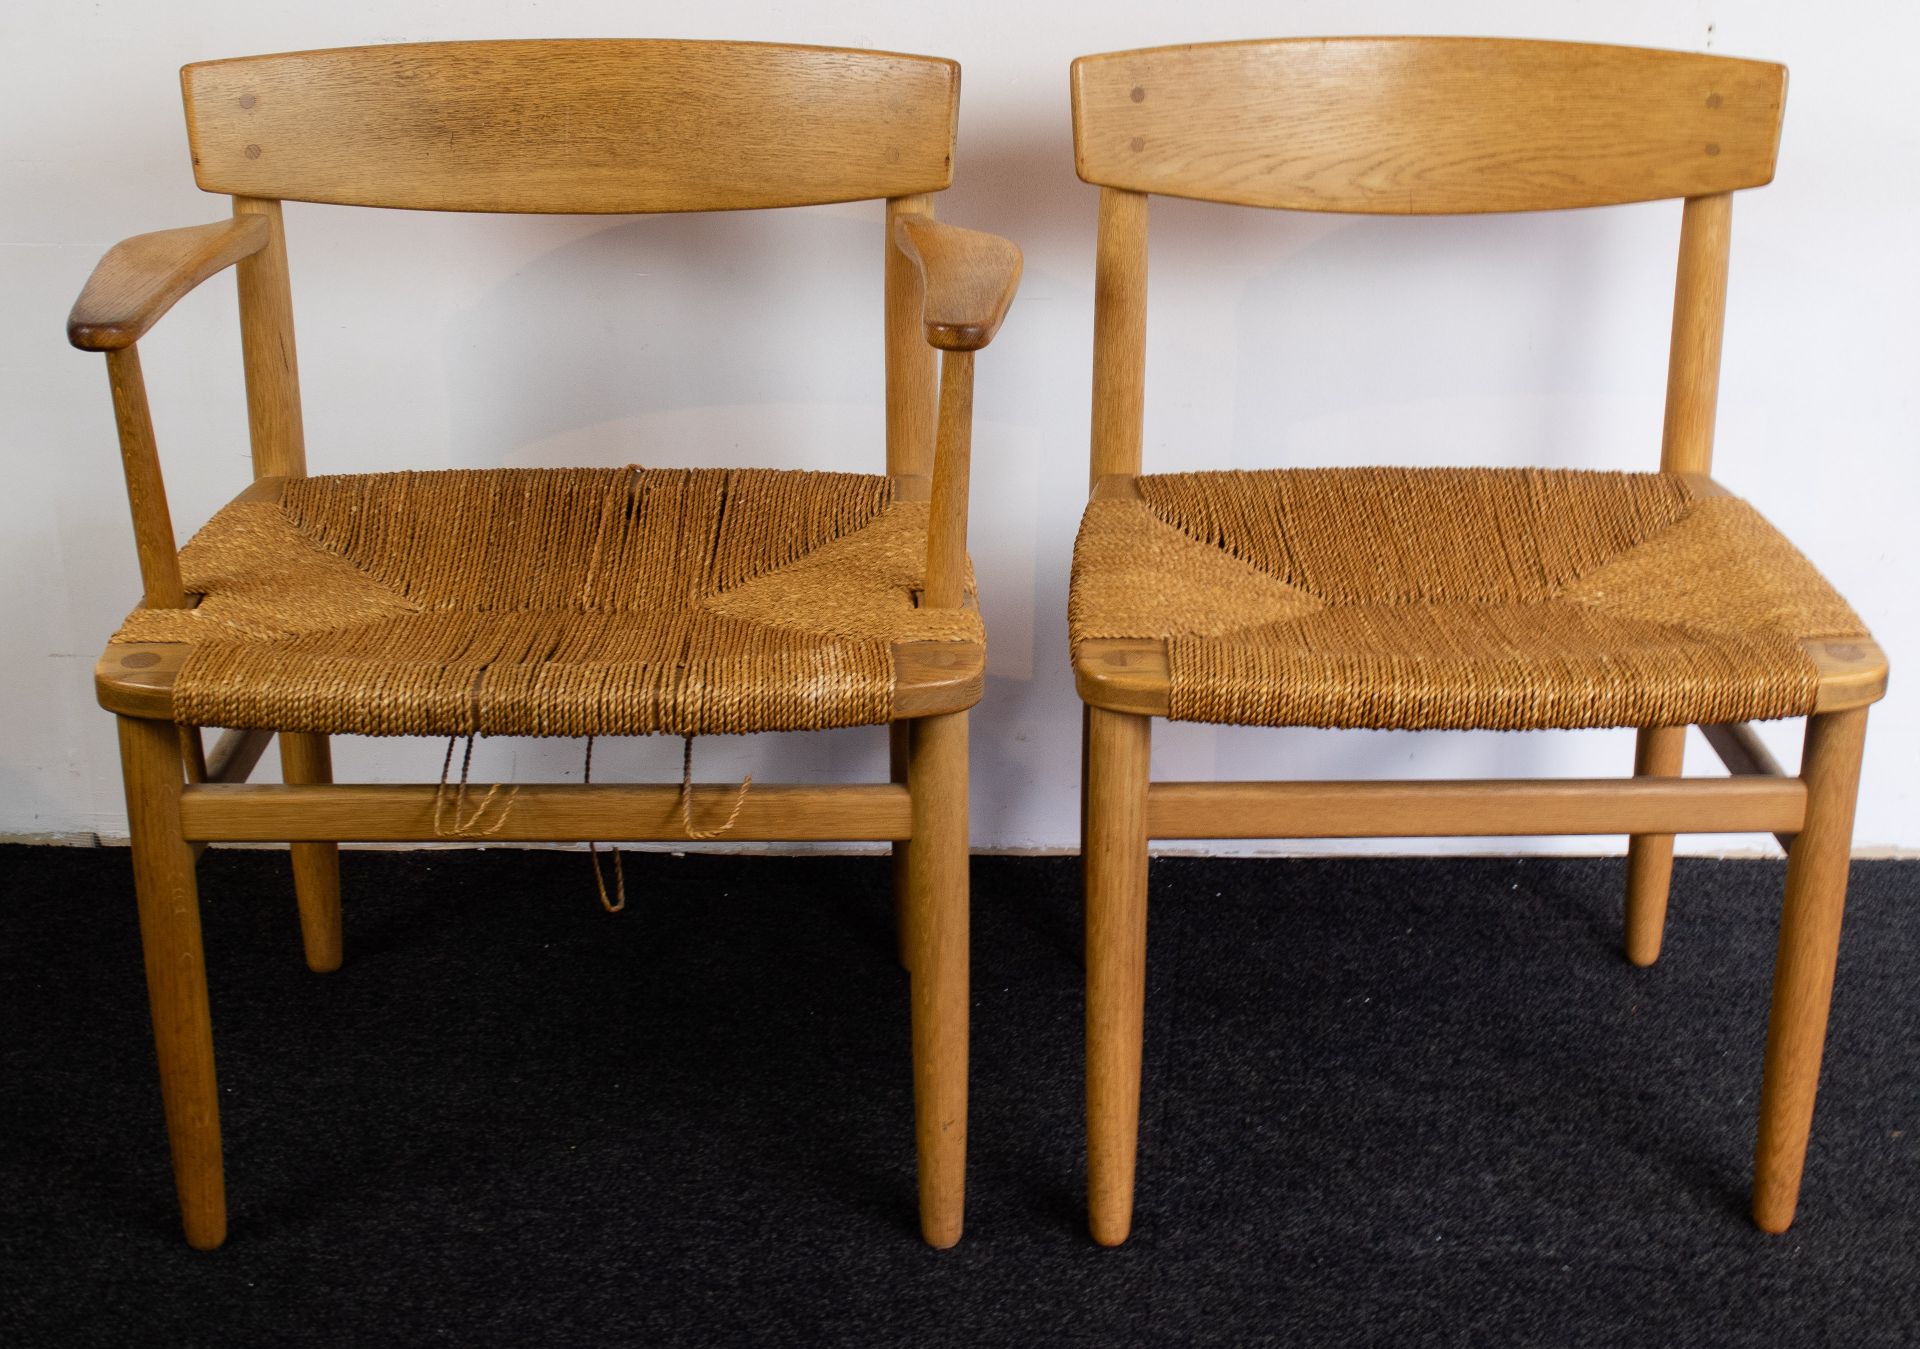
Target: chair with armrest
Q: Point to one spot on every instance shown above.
(552, 602)
(1422, 599)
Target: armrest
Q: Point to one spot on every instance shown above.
(969, 280)
(140, 278)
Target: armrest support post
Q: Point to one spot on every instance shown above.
(967, 282)
(131, 289)
(146, 493)
(947, 527)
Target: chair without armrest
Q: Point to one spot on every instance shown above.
(554, 601)
(1648, 600)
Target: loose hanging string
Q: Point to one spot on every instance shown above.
(615, 905)
(686, 797)
(465, 822)
(593, 852)
(464, 828)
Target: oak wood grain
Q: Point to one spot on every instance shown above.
(573, 125)
(1424, 126)
(939, 963)
(1124, 674)
(1741, 750)
(169, 907)
(1699, 321)
(934, 678)
(146, 488)
(1743, 754)
(899, 760)
(952, 479)
(1809, 948)
(235, 755)
(968, 278)
(1114, 853)
(1494, 808)
(911, 376)
(1658, 751)
(141, 278)
(307, 760)
(1119, 333)
(276, 424)
(1853, 672)
(412, 813)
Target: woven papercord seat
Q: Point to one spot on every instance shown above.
(1456, 597)
(566, 602)
(1509, 599)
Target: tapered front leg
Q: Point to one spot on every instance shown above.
(938, 924)
(1658, 752)
(1114, 853)
(169, 908)
(899, 757)
(1803, 969)
(307, 760)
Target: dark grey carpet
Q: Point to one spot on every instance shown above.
(1388, 1102)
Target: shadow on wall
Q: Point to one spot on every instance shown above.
(1378, 343)
(729, 337)
(1295, 338)
(1016, 178)
(704, 340)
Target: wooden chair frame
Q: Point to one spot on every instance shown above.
(364, 126)
(1442, 126)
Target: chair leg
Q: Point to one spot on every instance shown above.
(1086, 751)
(307, 760)
(1659, 752)
(899, 752)
(176, 974)
(938, 924)
(1803, 969)
(1114, 854)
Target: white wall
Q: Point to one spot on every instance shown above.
(429, 341)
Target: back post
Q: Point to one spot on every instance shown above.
(911, 396)
(1119, 333)
(1699, 320)
(1686, 446)
(910, 374)
(266, 342)
(280, 450)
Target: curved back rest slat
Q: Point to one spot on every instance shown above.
(1424, 126)
(573, 126)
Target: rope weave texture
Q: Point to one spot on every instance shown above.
(1507, 599)
(553, 602)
